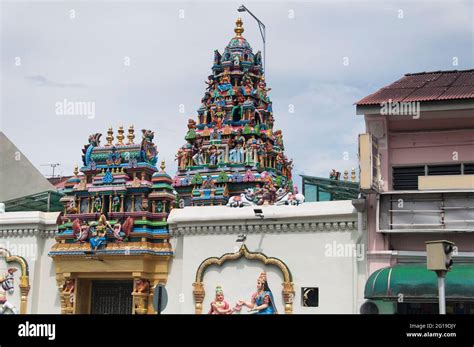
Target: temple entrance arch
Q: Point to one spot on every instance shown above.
(287, 291)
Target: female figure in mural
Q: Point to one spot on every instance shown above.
(262, 300)
(219, 305)
(100, 233)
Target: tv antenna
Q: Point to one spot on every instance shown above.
(53, 166)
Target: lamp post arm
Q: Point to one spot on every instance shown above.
(261, 27)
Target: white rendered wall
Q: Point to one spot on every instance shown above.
(339, 277)
(30, 235)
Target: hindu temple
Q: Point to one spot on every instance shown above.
(232, 148)
(115, 212)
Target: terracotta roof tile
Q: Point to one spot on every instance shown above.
(425, 86)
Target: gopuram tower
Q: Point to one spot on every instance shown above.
(232, 150)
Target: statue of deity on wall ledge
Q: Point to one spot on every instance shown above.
(219, 305)
(262, 301)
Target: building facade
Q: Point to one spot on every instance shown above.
(417, 168)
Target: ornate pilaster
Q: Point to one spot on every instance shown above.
(199, 294)
(141, 291)
(67, 296)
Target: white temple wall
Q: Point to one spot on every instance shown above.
(307, 234)
(31, 235)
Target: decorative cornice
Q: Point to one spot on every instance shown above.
(262, 228)
(22, 232)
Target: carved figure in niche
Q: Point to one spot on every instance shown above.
(219, 305)
(116, 204)
(142, 286)
(239, 147)
(213, 155)
(262, 301)
(198, 158)
(98, 204)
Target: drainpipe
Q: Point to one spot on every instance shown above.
(360, 204)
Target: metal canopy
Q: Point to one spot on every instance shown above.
(47, 201)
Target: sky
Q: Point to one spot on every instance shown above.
(145, 63)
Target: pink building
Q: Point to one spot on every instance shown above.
(417, 170)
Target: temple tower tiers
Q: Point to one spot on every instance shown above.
(232, 147)
(115, 213)
(120, 180)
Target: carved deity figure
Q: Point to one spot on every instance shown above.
(71, 208)
(262, 301)
(208, 183)
(213, 155)
(219, 116)
(98, 204)
(142, 286)
(239, 147)
(198, 158)
(100, 232)
(116, 203)
(7, 287)
(279, 139)
(219, 305)
(191, 124)
(249, 152)
(181, 157)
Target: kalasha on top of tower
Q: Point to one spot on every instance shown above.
(232, 153)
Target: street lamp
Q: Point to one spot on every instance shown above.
(261, 26)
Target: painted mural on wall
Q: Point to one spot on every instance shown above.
(233, 150)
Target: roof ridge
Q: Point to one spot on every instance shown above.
(439, 71)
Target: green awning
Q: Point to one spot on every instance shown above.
(414, 281)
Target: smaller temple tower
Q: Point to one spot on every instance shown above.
(116, 210)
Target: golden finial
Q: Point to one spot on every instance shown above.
(120, 136)
(130, 135)
(76, 170)
(239, 28)
(346, 175)
(162, 166)
(110, 137)
(353, 175)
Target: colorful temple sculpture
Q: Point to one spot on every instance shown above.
(116, 210)
(232, 150)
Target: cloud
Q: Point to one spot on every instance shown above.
(42, 81)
